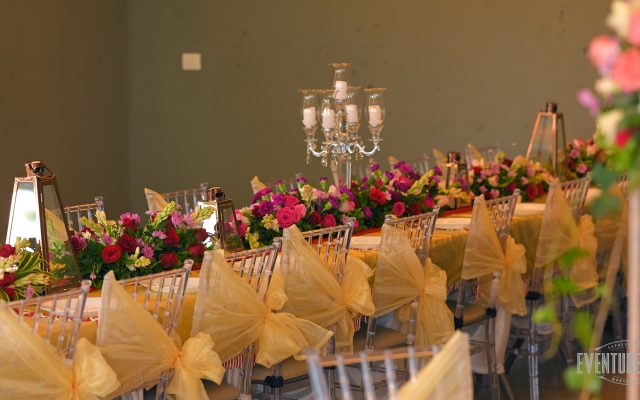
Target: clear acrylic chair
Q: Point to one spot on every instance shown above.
(256, 268)
(188, 199)
(332, 245)
(420, 165)
(467, 313)
(488, 154)
(419, 230)
(433, 373)
(74, 213)
(575, 192)
(162, 295)
(56, 317)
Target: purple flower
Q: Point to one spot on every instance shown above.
(348, 192)
(278, 182)
(435, 179)
(147, 251)
(301, 179)
(363, 179)
(396, 196)
(375, 166)
(437, 170)
(365, 186)
(413, 175)
(398, 164)
(367, 212)
(335, 203)
(463, 183)
(260, 194)
(406, 168)
(389, 175)
(28, 293)
(159, 234)
(108, 240)
(278, 199)
(402, 186)
(265, 207)
(176, 218)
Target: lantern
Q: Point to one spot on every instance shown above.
(223, 224)
(544, 144)
(37, 214)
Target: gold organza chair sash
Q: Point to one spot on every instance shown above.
(155, 201)
(400, 278)
(139, 350)
(560, 233)
(257, 185)
(31, 370)
(314, 293)
(483, 255)
(446, 377)
(229, 310)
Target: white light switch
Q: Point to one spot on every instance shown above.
(191, 62)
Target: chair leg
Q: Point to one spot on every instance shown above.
(331, 372)
(567, 332)
(534, 384)
(247, 372)
(276, 388)
(492, 365)
(506, 386)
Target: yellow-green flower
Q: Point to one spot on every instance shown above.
(269, 221)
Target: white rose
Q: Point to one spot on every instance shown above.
(607, 124)
(606, 87)
(618, 19)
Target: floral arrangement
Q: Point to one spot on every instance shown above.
(130, 248)
(582, 157)
(20, 273)
(502, 177)
(615, 104)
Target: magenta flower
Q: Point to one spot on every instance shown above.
(265, 207)
(574, 153)
(589, 101)
(188, 219)
(287, 216)
(176, 218)
(159, 234)
(108, 240)
(147, 251)
(367, 212)
(582, 169)
(398, 208)
(139, 242)
(328, 221)
(301, 210)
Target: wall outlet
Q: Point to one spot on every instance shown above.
(191, 61)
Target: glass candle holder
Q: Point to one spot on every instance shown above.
(327, 112)
(375, 110)
(340, 81)
(309, 111)
(353, 110)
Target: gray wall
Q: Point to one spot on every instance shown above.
(456, 72)
(96, 90)
(63, 97)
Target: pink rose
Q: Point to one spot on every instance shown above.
(633, 34)
(328, 221)
(428, 202)
(603, 52)
(398, 208)
(290, 201)
(287, 216)
(301, 210)
(582, 169)
(626, 70)
(347, 206)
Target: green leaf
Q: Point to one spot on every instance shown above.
(545, 313)
(605, 204)
(603, 176)
(568, 258)
(565, 286)
(582, 327)
(577, 381)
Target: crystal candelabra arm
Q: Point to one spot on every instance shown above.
(361, 149)
(311, 149)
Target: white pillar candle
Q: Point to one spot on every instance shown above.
(309, 117)
(375, 115)
(328, 118)
(341, 90)
(352, 113)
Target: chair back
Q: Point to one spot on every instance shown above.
(332, 245)
(501, 211)
(624, 184)
(161, 294)
(256, 266)
(418, 229)
(419, 165)
(488, 154)
(187, 200)
(56, 317)
(575, 192)
(74, 213)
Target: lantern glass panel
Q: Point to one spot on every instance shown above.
(25, 222)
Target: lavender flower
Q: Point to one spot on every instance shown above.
(589, 101)
(28, 292)
(335, 203)
(261, 193)
(265, 207)
(348, 192)
(367, 212)
(389, 175)
(108, 240)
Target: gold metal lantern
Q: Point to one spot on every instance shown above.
(223, 224)
(37, 214)
(544, 145)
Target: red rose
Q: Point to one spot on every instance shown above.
(201, 234)
(172, 238)
(623, 137)
(415, 209)
(507, 162)
(328, 221)
(531, 191)
(428, 202)
(511, 187)
(315, 218)
(377, 196)
(287, 216)
(398, 208)
(290, 201)
(477, 170)
(7, 250)
(168, 260)
(540, 189)
(10, 292)
(128, 243)
(7, 280)
(111, 253)
(78, 243)
(196, 250)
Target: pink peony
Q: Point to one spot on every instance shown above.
(287, 216)
(398, 208)
(633, 34)
(328, 221)
(603, 51)
(626, 70)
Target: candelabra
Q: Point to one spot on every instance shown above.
(339, 115)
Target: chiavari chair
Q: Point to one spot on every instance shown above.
(188, 199)
(73, 214)
(488, 154)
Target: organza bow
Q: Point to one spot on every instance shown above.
(314, 293)
(31, 369)
(139, 350)
(400, 278)
(584, 271)
(230, 310)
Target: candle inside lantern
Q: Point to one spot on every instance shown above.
(375, 115)
(328, 118)
(352, 113)
(309, 117)
(341, 90)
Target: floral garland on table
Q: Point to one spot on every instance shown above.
(20, 273)
(130, 248)
(503, 177)
(582, 157)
